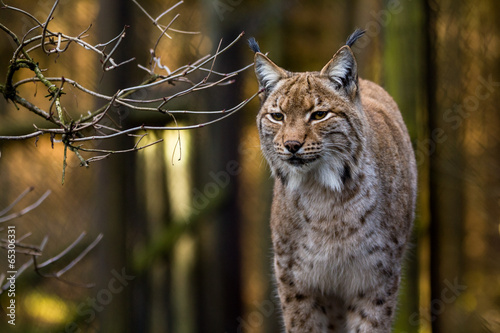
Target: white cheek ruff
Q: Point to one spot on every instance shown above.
(329, 174)
(296, 177)
(326, 171)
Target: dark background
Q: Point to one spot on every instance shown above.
(192, 234)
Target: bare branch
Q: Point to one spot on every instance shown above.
(21, 137)
(80, 256)
(22, 248)
(62, 253)
(155, 21)
(112, 152)
(44, 30)
(68, 80)
(153, 53)
(170, 128)
(19, 271)
(36, 251)
(194, 77)
(27, 209)
(23, 12)
(167, 11)
(75, 261)
(108, 57)
(22, 195)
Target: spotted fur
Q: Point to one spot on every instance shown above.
(344, 194)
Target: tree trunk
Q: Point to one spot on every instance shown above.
(216, 170)
(117, 212)
(402, 29)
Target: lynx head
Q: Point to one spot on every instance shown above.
(311, 124)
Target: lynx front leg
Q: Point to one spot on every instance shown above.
(372, 311)
(302, 312)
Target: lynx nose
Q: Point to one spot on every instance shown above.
(293, 146)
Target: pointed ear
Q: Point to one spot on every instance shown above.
(267, 72)
(342, 70)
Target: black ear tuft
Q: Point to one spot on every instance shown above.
(357, 34)
(253, 45)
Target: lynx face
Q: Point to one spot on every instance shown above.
(310, 126)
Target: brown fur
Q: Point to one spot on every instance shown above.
(344, 195)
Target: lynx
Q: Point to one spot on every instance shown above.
(344, 193)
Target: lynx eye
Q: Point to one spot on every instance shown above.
(318, 115)
(277, 116)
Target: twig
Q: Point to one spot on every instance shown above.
(70, 81)
(63, 252)
(166, 11)
(19, 198)
(22, 248)
(169, 128)
(70, 132)
(27, 209)
(182, 71)
(75, 261)
(110, 59)
(19, 271)
(108, 153)
(155, 21)
(44, 30)
(164, 33)
(23, 12)
(65, 164)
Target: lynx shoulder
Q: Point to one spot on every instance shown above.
(344, 193)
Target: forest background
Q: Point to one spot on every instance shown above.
(185, 239)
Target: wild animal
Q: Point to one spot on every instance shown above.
(344, 193)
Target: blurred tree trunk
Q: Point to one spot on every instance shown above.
(219, 272)
(155, 270)
(491, 265)
(118, 215)
(446, 159)
(493, 124)
(431, 80)
(403, 28)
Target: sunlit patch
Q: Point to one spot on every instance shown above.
(177, 163)
(474, 245)
(46, 308)
(468, 301)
